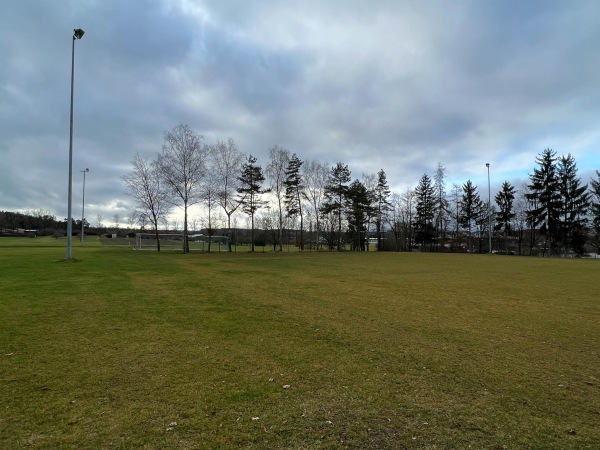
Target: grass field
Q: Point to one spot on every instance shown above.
(126, 349)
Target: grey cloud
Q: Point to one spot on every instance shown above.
(398, 85)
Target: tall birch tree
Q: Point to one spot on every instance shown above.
(183, 167)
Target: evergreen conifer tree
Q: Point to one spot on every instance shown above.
(335, 196)
(294, 192)
(358, 210)
(544, 198)
(382, 205)
(575, 202)
(595, 210)
(425, 212)
(250, 191)
(471, 209)
(506, 214)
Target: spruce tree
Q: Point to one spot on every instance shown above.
(425, 212)
(544, 199)
(575, 202)
(471, 209)
(595, 210)
(335, 196)
(506, 214)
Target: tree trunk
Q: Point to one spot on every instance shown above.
(252, 233)
(186, 247)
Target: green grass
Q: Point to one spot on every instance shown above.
(416, 351)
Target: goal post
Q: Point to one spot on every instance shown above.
(168, 241)
(174, 242)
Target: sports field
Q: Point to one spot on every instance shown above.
(127, 349)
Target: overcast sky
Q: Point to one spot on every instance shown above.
(398, 85)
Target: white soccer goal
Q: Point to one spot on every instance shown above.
(147, 241)
(174, 242)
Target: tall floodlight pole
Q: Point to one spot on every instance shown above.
(83, 203)
(489, 208)
(77, 34)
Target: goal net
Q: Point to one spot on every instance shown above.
(174, 242)
(147, 241)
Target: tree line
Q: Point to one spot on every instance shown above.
(555, 213)
(42, 222)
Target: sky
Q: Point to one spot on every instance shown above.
(399, 85)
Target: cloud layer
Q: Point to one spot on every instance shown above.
(383, 84)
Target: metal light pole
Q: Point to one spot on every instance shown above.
(77, 34)
(83, 204)
(489, 208)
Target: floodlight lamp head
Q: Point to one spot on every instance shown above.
(487, 165)
(78, 33)
(87, 170)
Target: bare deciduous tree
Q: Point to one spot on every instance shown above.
(369, 181)
(210, 195)
(457, 201)
(278, 161)
(182, 166)
(441, 206)
(400, 219)
(225, 165)
(315, 178)
(268, 221)
(146, 186)
(521, 207)
(132, 219)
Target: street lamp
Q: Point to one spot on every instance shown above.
(83, 204)
(77, 34)
(489, 208)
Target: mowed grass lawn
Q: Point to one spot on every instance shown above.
(127, 349)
